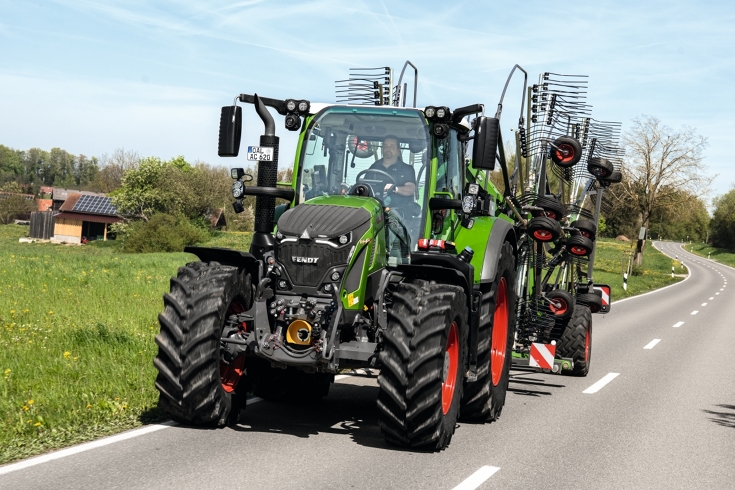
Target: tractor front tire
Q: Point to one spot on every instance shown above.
(576, 340)
(202, 297)
(422, 364)
(483, 399)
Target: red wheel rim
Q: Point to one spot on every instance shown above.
(585, 234)
(550, 214)
(230, 374)
(451, 365)
(542, 235)
(558, 310)
(499, 342)
(578, 250)
(561, 157)
(587, 341)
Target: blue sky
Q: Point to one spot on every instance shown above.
(91, 76)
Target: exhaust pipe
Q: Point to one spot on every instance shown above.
(265, 206)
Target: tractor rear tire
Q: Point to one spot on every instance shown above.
(483, 399)
(576, 341)
(422, 364)
(202, 296)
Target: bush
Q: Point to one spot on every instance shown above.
(162, 233)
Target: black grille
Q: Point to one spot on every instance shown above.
(309, 274)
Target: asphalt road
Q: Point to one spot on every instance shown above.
(667, 420)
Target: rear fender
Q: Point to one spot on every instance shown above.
(501, 232)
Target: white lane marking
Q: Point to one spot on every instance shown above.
(716, 294)
(598, 386)
(341, 376)
(252, 400)
(712, 298)
(695, 312)
(704, 304)
(652, 344)
(678, 324)
(85, 447)
(477, 478)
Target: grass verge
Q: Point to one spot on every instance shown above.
(654, 273)
(721, 255)
(77, 328)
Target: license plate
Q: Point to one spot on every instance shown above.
(260, 154)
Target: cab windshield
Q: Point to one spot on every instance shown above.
(359, 150)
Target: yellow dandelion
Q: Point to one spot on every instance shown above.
(76, 358)
(37, 424)
(30, 402)
(67, 355)
(25, 407)
(89, 405)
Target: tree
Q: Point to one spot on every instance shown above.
(13, 204)
(722, 225)
(660, 163)
(111, 170)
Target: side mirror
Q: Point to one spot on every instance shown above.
(230, 131)
(487, 131)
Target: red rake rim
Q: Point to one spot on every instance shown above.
(230, 374)
(499, 342)
(579, 250)
(543, 235)
(558, 311)
(452, 357)
(561, 157)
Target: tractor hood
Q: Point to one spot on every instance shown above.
(328, 219)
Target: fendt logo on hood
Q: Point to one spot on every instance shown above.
(304, 260)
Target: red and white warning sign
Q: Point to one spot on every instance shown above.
(542, 355)
(606, 300)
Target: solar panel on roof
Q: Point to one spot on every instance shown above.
(94, 205)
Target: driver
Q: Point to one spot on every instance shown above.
(401, 194)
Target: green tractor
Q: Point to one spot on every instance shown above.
(394, 251)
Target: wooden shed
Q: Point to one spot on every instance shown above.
(84, 217)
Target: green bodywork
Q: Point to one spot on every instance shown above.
(374, 239)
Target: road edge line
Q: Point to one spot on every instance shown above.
(477, 478)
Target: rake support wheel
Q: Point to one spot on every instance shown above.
(579, 245)
(591, 301)
(564, 303)
(587, 227)
(551, 206)
(544, 229)
(601, 168)
(566, 151)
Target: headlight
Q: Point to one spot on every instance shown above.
(468, 204)
(279, 235)
(429, 112)
(335, 276)
(304, 107)
(440, 113)
(290, 105)
(343, 239)
(238, 189)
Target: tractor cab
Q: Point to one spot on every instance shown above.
(378, 153)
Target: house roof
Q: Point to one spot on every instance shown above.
(94, 218)
(60, 194)
(85, 203)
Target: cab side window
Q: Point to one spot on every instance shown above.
(449, 164)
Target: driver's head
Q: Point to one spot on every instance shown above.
(391, 150)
